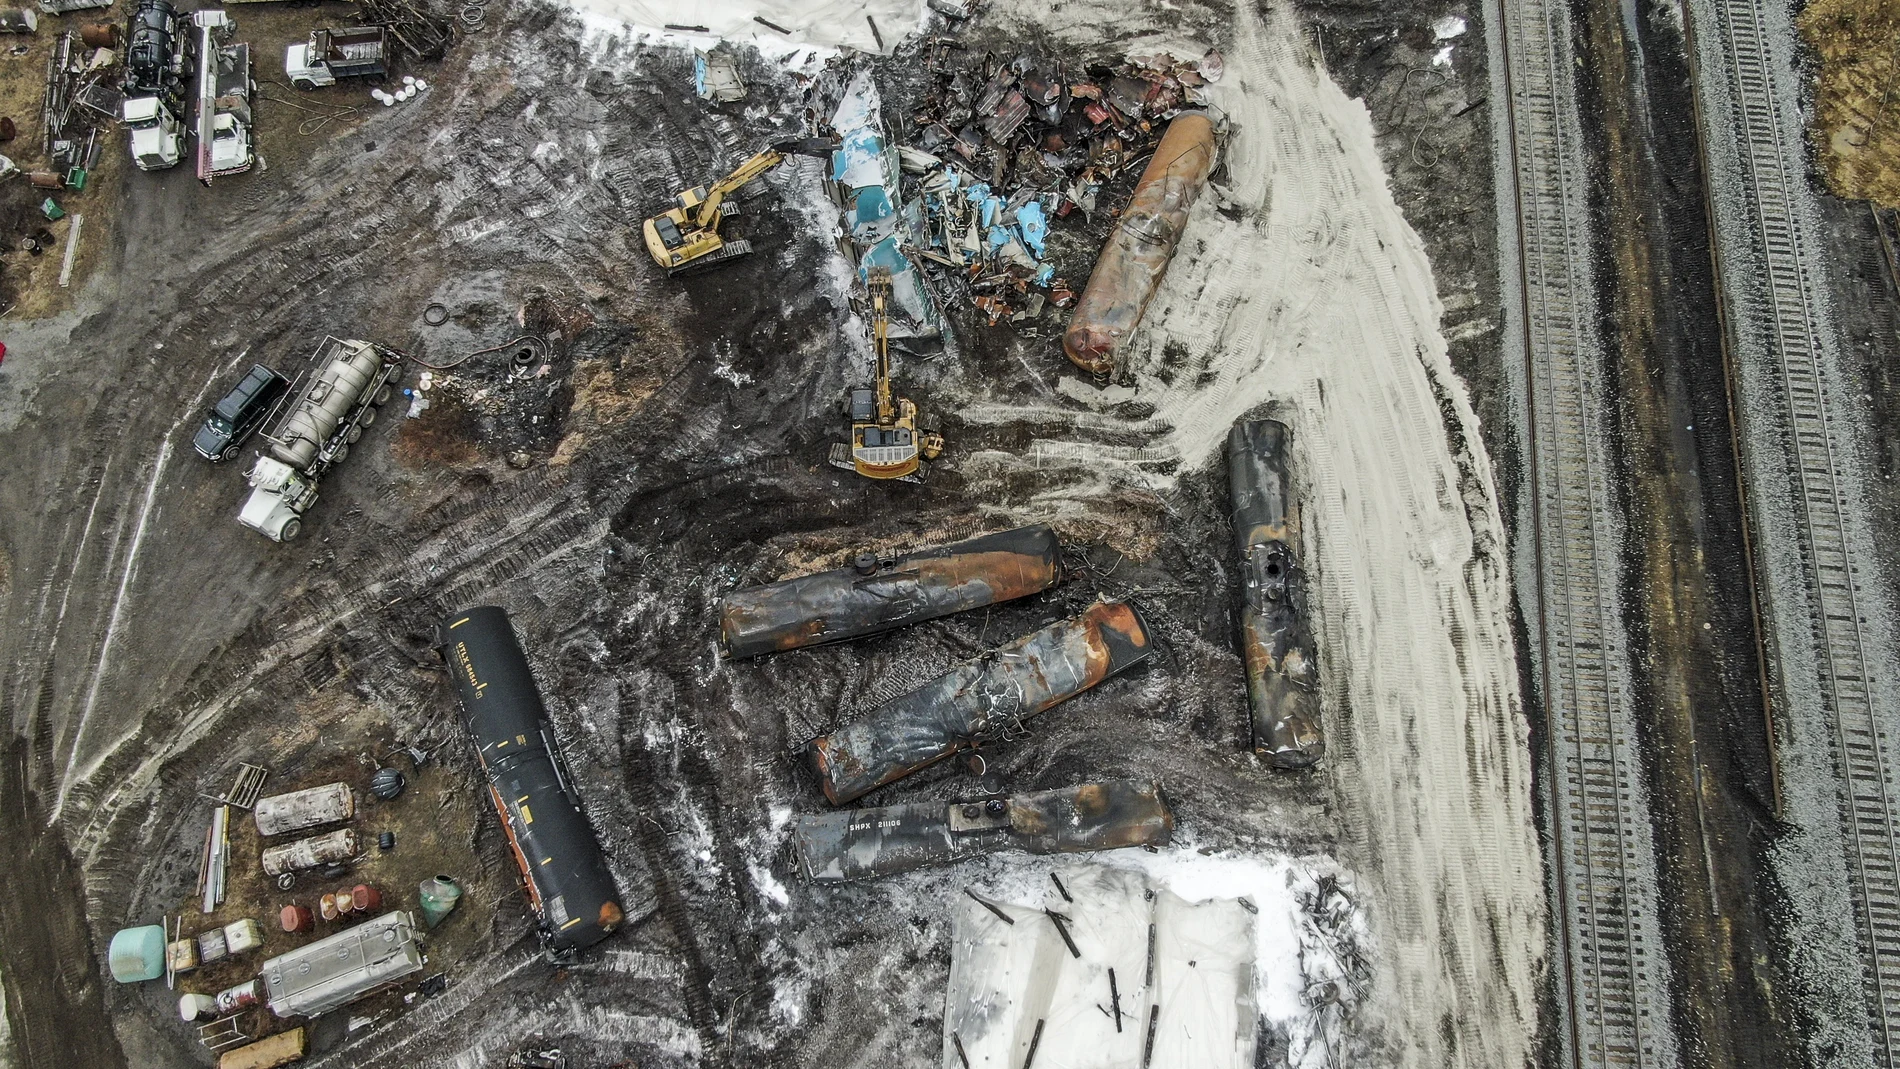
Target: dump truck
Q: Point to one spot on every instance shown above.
(351, 380)
(224, 98)
(330, 55)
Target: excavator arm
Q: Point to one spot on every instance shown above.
(707, 214)
(880, 286)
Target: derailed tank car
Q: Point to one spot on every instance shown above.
(983, 700)
(882, 595)
(1275, 639)
(562, 867)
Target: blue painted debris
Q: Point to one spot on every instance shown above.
(879, 225)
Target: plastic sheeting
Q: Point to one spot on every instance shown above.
(1185, 967)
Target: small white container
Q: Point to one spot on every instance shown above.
(408, 79)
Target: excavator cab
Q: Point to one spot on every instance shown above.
(885, 442)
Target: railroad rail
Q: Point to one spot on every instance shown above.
(1612, 971)
(1780, 269)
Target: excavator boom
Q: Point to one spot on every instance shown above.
(707, 213)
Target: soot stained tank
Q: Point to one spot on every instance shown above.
(562, 867)
(983, 700)
(883, 595)
(1275, 638)
(151, 67)
(329, 397)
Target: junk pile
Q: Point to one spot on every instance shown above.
(1003, 147)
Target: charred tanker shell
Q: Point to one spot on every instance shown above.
(982, 700)
(563, 871)
(1274, 636)
(1137, 254)
(883, 595)
(859, 843)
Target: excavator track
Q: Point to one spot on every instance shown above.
(731, 250)
(841, 458)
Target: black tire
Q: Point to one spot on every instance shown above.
(341, 452)
(356, 432)
(369, 417)
(230, 453)
(291, 530)
(304, 85)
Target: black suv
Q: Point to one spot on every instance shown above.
(240, 413)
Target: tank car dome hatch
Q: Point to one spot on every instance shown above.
(387, 784)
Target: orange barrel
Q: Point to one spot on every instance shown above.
(296, 919)
(345, 903)
(327, 906)
(99, 34)
(368, 899)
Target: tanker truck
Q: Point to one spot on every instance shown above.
(349, 381)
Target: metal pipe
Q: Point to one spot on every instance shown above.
(1137, 253)
(983, 700)
(879, 595)
(1275, 639)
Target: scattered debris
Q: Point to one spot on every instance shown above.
(716, 76)
(860, 843)
(217, 859)
(247, 787)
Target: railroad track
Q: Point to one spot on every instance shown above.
(1611, 965)
(1781, 274)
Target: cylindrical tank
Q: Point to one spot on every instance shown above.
(345, 902)
(137, 954)
(99, 35)
(982, 700)
(921, 585)
(281, 814)
(328, 398)
(1137, 253)
(326, 906)
(438, 894)
(192, 1007)
(240, 996)
(368, 899)
(296, 919)
(339, 845)
(1276, 642)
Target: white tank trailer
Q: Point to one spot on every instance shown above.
(350, 381)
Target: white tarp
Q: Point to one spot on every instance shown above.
(1016, 983)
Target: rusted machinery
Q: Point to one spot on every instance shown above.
(859, 843)
(1137, 254)
(980, 701)
(1274, 636)
(877, 595)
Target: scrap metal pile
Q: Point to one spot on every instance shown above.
(1004, 147)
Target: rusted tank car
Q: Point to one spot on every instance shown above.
(562, 867)
(859, 843)
(980, 701)
(1275, 638)
(1137, 253)
(339, 845)
(281, 814)
(882, 595)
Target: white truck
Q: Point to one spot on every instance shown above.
(351, 380)
(158, 138)
(354, 52)
(224, 98)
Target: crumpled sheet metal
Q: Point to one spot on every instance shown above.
(1276, 639)
(983, 700)
(922, 585)
(1137, 254)
(861, 843)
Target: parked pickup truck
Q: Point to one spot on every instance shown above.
(356, 52)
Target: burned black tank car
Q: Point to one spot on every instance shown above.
(562, 867)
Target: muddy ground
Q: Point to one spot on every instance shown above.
(671, 448)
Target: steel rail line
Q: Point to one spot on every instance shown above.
(1612, 969)
(1833, 565)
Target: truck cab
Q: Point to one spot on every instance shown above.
(158, 138)
(230, 144)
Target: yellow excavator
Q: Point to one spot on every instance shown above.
(686, 237)
(885, 442)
